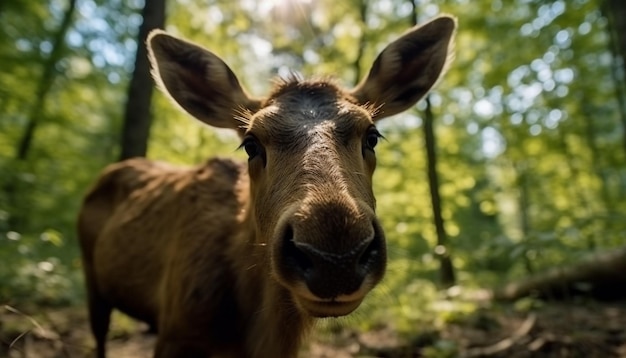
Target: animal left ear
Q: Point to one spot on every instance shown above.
(408, 68)
(199, 81)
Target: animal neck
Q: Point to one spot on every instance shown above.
(278, 327)
(275, 324)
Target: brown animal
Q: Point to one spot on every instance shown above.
(234, 260)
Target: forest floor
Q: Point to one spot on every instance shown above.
(557, 329)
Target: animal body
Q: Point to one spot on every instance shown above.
(231, 259)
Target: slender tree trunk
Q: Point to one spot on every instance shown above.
(615, 12)
(524, 203)
(447, 275)
(605, 189)
(45, 83)
(11, 186)
(446, 269)
(137, 114)
(361, 46)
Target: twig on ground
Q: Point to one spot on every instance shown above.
(39, 329)
(506, 343)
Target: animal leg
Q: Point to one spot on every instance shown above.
(99, 319)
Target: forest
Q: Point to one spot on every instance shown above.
(502, 193)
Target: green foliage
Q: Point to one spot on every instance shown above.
(39, 269)
(529, 140)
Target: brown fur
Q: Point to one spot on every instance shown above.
(229, 260)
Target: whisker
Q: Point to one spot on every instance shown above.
(245, 121)
(243, 115)
(251, 267)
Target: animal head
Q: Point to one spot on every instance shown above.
(311, 156)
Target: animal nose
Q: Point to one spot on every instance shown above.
(328, 266)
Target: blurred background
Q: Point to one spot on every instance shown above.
(511, 172)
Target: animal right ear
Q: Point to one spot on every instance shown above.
(408, 68)
(198, 80)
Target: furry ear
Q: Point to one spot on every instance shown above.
(408, 67)
(198, 80)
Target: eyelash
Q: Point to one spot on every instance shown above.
(371, 138)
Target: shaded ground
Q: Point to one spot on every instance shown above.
(554, 330)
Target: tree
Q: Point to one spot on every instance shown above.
(45, 83)
(137, 116)
(615, 11)
(36, 113)
(446, 269)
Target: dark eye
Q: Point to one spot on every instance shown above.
(371, 140)
(252, 147)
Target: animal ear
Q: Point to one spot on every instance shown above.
(408, 68)
(198, 80)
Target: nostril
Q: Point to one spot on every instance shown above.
(294, 256)
(372, 250)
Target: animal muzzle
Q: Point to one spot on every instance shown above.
(330, 258)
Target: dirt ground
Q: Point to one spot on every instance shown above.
(572, 329)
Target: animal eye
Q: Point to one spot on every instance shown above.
(251, 146)
(371, 140)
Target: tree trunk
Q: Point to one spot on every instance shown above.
(615, 12)
(447, 275)
(45, 83)
(11, 187)
(446, 269)
(137, 114)
(524, 208)
(362, 40)
(600, 276)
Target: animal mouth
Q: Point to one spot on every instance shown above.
(329, 308)
(336, 306)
